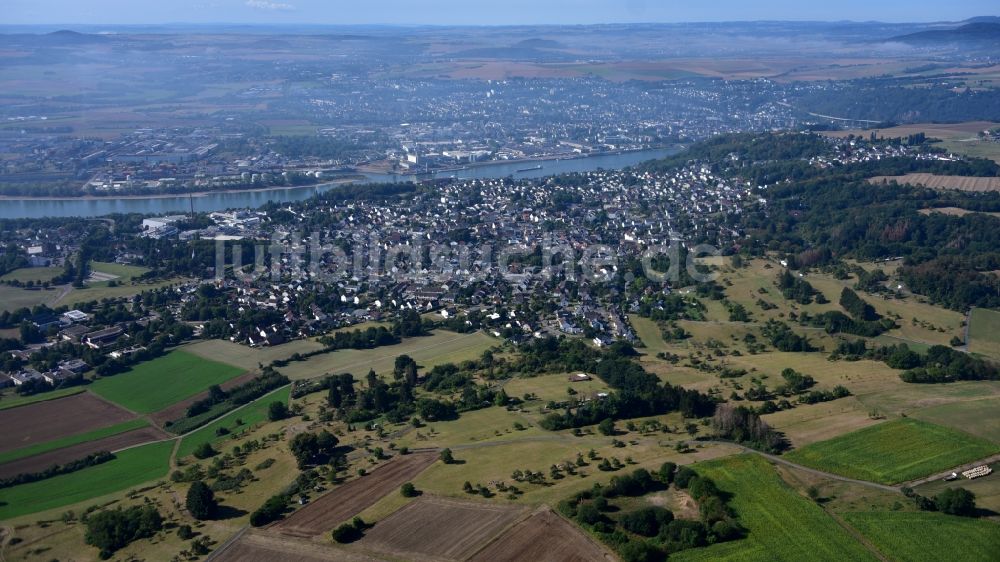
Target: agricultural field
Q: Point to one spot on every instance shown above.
(347, 500)
(978, 417)
(130, 468)
(428, 351)
(69, 441)
(154, 385)
(984, 332)
(440, 528)
(250, 415)
(893, 452)
(249, 358)
(256, 546)
(986, 488)
(14, 400)
(57, 419)
(928, 537)
(782, 524)
(542, 536)
(116, 442)
(933, 181)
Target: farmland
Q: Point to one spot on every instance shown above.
(782, 524)
(349, 499)
(542, 536)
(895, 451)
(156, 384)
(15, 400)
(251, 414)
(45, 446)
(56, 419)
(130, 468)
(930, 537)
(41, 461)
(978, 417)
(984, 332)
(961, 183)
(440, 528)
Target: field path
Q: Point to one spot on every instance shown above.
(857, 535)
(786, 462)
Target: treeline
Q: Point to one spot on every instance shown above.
(220, 401)
(940, 364)
(743, 426)
(92, 459)
(369, 338)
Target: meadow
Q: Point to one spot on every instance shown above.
(250, 415)
(928, 537)
(131, 468)
(893, 452)
(156, 384)
(782, 524)
(984, 332)
(52, 445)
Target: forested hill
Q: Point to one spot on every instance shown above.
(816, 217)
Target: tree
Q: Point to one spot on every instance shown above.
(408, 490)
(200, 502)
(313, 448)
(606, 427)
(204, 451)
(277, 411)
(114, 529)
(446, 456)
(956, 501)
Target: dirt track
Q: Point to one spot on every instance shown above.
(438, 528)
(178, 410)
(37, 463)
(53, 419)
(543, 537)
(352, 498)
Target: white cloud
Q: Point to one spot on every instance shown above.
(264, 5)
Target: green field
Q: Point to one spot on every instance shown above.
(13, 400)
(782, 524)
(895, 451)
(978, 417)
(984, 332)
(47, 446)
(253, 413)
(131, 468)
(930, 537)
(154, 385)
(123, 272)
(36, 274)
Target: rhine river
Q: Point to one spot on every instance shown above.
(99, 206)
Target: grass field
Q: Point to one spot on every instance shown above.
(39, 448)
(782, 524)
(929, 537)
(896, 451)
(130, 468)
(978, 417)
(253, 413)
(35, 274)
(156, 384)
(984, 332)
(14, 400)
(122, 272)
(13, 298)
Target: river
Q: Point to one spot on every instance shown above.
(95, 207)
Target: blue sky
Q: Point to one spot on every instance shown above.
(478, 12)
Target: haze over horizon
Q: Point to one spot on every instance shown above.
(455, 12)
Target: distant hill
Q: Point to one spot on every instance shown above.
(67, 37)
(980, 33)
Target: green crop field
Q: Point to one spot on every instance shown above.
(154, 385)
(251, 414)
(131, 468)
(47, 446)
(782, 524)
(894, 452)
(930, 537)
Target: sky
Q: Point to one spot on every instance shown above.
(479, 12)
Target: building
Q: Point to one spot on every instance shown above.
(102, 338)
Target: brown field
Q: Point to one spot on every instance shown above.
(179, 409)
(543, 537)
(350, 499)
(38, 463)
(936, 130)
(440, 529)
(258, 546)
(954, 211)
(52, 419)
(933, 181)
